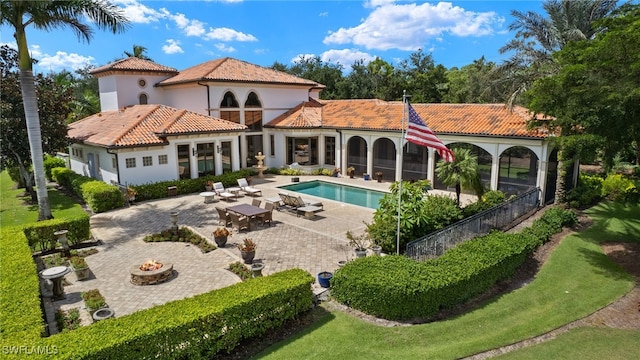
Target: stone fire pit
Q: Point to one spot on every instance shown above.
(150, 273)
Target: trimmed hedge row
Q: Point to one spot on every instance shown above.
(40, 233)
(399, 288)
(98, 195)
(20, 316)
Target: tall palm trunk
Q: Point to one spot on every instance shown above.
(561, 186)
(30, 103)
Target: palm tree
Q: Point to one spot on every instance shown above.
(138, 52)
(48, 15)
(538, 37)
(461, 173)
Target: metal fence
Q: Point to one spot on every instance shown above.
(498, 217)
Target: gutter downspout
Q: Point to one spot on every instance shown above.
(117, 163)
(208, 97)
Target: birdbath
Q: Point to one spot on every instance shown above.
(174, 221)
(260, 167)
(55, 275)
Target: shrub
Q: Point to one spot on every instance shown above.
(488, 200)
(241, 270)
(68, 320)
(183, 234)
(51, 162)
(587, 192)
(40, 233)
(615, 187)
(93, 300)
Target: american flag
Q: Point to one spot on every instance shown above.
(419, 133)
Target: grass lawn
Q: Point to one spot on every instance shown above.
(15, 210)
(576, 280)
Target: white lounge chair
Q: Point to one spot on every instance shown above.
(222, 192)
(244, 185)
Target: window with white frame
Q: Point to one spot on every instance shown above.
(114, 163)
(130, 162)
(147, 161)
(163, 159)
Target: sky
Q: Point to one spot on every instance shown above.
(183, 33)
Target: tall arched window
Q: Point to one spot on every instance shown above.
(143, 99)
(253, 117)
(228, 103)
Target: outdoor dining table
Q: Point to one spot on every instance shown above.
(247, 210)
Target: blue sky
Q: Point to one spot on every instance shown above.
(181, 34)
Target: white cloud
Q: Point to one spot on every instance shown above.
(190, 27)
(409, 26)
(226, 34)
(301, 57)
(61, 60)
(139, 13)
(324, 14)
(172, 47)
(224, 48)
(346, 57)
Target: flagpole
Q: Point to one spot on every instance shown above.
(404, 108)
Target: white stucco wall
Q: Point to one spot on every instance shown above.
(119, 91)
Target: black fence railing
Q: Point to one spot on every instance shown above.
(498, 217)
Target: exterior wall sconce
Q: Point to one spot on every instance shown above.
(194, 152)
(218, 149)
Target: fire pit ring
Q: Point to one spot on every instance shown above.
(150, 277)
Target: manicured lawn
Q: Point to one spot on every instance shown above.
(15, 210)
(576, 280)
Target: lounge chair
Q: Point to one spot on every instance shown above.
(244, 185)
(222, 192)
(306, 207)
(224, 217)
(239, 222)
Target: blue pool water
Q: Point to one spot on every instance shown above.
(344, 193)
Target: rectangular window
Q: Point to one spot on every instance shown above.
(147, 161)
(272, 145)
(205, 153)
(130, 162)
(114, 163)
(253, 120)
(303, 151)
(330, 150)
(163, 159)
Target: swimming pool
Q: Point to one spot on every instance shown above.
(344, 193)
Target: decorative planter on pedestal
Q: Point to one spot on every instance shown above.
(247, 256)
(221, 241)
(377, 249)
(324, 279)
(361, 253)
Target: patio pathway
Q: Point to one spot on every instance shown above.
(292, 242)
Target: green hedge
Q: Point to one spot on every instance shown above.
(399, 288)
(20, 315)
(98, 195)
(51, 162)
(40, 233)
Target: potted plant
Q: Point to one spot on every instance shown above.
(93, 300)
(208, 185)
(366, 177)
(248, 250)
(351, 171)
(359, 243)
(379, 176)
(79, 267)
(376, 248)
(324, 278)
(220, 236)
(336, 171)
(131, 194)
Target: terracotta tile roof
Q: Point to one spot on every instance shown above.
(373, 114)
(143, 125)
(133, 64)
(232, 70)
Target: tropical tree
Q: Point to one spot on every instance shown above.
(138, 52)
(537, 37)
(461, 173)
(49, 15)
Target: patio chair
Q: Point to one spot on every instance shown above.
(267, 217)
(224, 217)
(239, 222)
(256, 202)
(306, 207)
(219, 189)
(244, 185)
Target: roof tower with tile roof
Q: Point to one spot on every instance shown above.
(133, 64)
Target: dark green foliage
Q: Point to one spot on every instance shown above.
(68, 320)
(241, 270)
(40, 233)
(399, 288)
(182, 235)
(420, 215)
(586, 193)
(616, 187)
(488, 200)
(93, 300)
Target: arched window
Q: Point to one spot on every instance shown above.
(143, 99)
(228, 102)
(253, 118)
